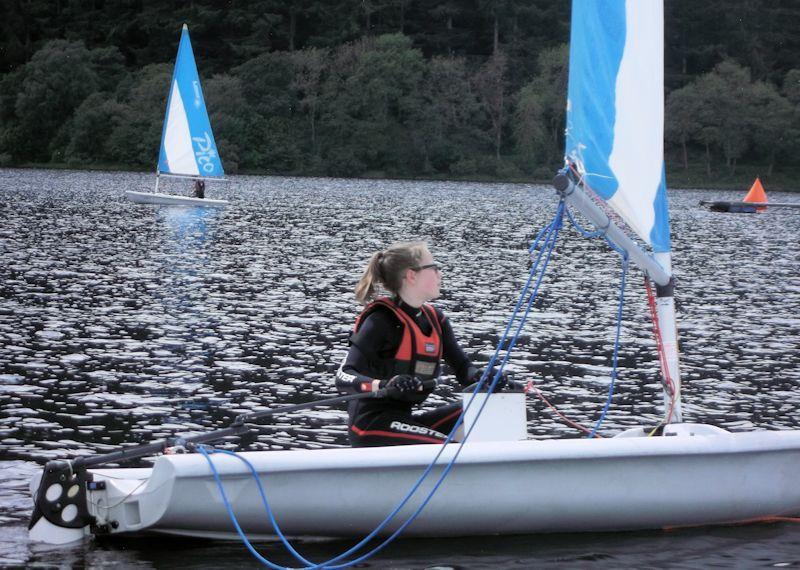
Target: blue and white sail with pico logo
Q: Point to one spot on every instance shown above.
(187, 143)
(615, 110)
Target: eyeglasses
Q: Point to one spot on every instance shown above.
(434, 266)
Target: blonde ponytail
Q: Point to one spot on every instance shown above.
(365, 289)
(387, 268)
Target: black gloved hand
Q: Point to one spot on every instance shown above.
(403, 385)
(502, 382)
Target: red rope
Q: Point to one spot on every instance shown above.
(769, 519)
(781, 519)
(662, 356)
(531, 388)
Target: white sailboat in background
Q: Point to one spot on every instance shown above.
(188, 149)
(687, 474)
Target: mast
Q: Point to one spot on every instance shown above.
(668, 333)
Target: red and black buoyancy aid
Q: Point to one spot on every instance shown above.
(418, 354)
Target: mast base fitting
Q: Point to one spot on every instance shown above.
(667, 290)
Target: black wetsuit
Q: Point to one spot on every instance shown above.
(386, 421)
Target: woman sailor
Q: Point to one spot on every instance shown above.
(399, 342)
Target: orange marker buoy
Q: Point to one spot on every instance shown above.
(757, 194)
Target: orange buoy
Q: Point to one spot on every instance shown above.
(757, 194)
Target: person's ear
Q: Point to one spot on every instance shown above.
(411, 276)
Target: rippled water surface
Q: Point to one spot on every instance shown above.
(127, 323)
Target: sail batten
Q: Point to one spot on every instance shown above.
(615, 110)
(187, 141)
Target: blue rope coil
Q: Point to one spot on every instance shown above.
(550, 234)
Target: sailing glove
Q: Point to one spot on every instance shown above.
(403, 385)
(502, 382)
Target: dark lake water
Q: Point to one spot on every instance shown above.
(127, 323)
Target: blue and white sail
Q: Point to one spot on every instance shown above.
(615, 110)
(187, 143)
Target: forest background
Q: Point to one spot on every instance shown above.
(472, 89)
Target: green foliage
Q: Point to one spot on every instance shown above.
(540, 109)
(310, 66)
(491, 87)
(684, 108)
(229, 114)
(267, 108)
(772, 132)
(446, 121)
(55, 82)
(266, 82)
(90, 129)
(109, 67)
(727, 111)
(727, 95)
(10, 132)
(368, 106)
(393, 87)
(791, 86)
(791, 90)
(136, 136)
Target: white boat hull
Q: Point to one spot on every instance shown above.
(512, 487)
(172, 200)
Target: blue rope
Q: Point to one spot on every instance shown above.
(556, 225)
(602, 233)
(616, 347)
(595, 234)
(551, 234)
(581, 230)
(231, 514)
(550, 230)
(546, 232)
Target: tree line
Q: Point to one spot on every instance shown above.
(379, 87)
